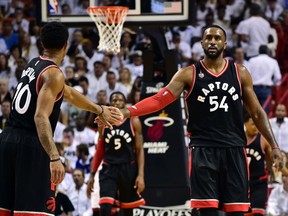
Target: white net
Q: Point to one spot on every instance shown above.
(109, 22)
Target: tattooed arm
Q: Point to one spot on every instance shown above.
(52, 83)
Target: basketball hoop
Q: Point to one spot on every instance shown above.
(109, 21)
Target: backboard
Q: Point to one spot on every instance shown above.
(141, 12)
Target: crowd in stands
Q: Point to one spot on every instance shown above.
(257, 33)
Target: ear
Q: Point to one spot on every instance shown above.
(66, 45)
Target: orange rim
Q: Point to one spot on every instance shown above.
(112, 9)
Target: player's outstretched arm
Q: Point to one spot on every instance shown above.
(52, 83)
(180, 81)
(258, 115)
(108, 115)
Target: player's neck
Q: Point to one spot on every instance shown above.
(53, 56)
(214, 65)
(250, 137)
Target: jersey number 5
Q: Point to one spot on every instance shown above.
(117, 143)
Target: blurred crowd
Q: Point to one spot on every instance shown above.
(257, 33)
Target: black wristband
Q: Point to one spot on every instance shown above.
(54, 160)
(102, 110)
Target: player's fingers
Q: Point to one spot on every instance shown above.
(108, 125)
(57, 176)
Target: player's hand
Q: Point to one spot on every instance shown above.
(277, 160)
(111, 115)
(57, 171)
(90, 186)
(139, 184)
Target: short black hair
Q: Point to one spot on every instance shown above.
(83, 148)
(84, 79)
(54, 35)
(255, 9)
(214, 26)
(99, 63)
(263, 49)
(117, 92)
(69, 129)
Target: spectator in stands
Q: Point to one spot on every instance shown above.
(80, 66)
(3, 46)
(279, 126)
(67, 182)
(97, 80)
(13, 81)
(5, 70)
(84, 83)
(182, 48)
(70, 145)
(278, 199)
(125, 79)
(78, 196)
(77, 39)
(15, 54)
(14, 4)
(83, 134)
(221, 18)
(197, 50)
(265, 73)
(70, 76)
(5, 109)
(4, 6)
(58, 133)
(239, 57)
(19, 23)
(134, 96)
(84, 158)
(113, 85)
(69, 59)
(273, 10)
(202, 10)
(90, 54)
(70, 112)
(136, 67)
(277, 173)
(29, 49)
(126, 49)
(4, 91)
(107, 60)
(11, 38)
(254, 31)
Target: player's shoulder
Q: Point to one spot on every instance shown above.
(54, 73)
(188, 70)
(243, 71)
